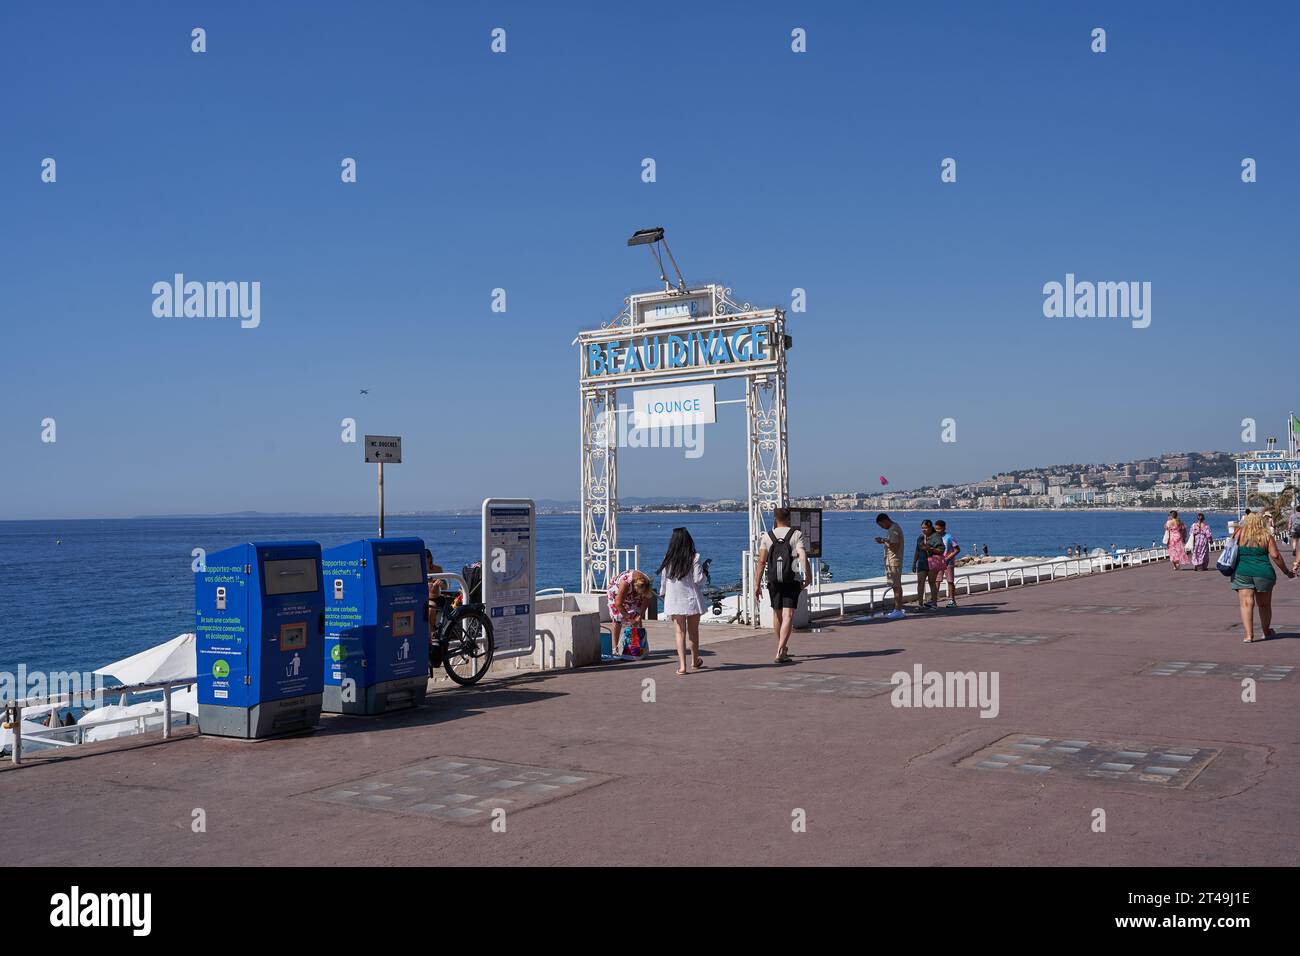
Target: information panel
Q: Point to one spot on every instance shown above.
(808, 522)
(509, 573)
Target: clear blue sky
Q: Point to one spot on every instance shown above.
(522, 171)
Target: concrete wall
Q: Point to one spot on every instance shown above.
(567, 639)
(553, 603)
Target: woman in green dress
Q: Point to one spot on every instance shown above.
(1254, 576)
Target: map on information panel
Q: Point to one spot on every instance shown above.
(509, 575)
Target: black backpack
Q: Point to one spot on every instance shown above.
(473, 575)
(780, 560)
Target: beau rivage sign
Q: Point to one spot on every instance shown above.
(1267, 461)
(680, 337)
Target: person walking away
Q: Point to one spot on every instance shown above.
(949, 555)
(1295, 534)
(782, 546)
(1176, 540)
(682, 574)
(1202, 538)
(629, 595)
(1254, 577)
(893, 542)
(921, 564)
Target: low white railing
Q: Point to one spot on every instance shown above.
(625, 559)
(965, 581)
(13, 710)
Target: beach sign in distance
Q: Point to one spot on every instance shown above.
(385, 449)
(381, 449)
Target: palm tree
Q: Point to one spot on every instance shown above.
(1276, 504)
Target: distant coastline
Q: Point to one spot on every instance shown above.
(466, 512)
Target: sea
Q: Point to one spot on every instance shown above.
(78, 594)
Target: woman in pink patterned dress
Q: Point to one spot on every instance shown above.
(1177, 533)
(629, 595)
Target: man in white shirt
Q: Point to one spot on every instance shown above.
(786, 547)
(893, 542)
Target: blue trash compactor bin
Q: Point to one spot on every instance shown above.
(259, 627)
(376, 653)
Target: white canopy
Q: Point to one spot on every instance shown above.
(171, 660)
(32, 731)
(148, 713)
(186, 701)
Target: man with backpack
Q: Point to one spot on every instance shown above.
(781, 547)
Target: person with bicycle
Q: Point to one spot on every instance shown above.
(460, 640)
(435, 592)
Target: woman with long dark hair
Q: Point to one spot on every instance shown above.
(682, 574)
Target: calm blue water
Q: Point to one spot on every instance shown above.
(115, 587)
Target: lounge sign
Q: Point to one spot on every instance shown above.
(674, 407)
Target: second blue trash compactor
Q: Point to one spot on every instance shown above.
(376, 652)
(259, 622)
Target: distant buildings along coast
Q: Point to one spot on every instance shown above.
(1190, 480)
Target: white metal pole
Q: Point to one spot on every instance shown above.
(381, 499)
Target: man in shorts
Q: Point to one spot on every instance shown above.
(893, 542)
(784, 594)
(950, 551)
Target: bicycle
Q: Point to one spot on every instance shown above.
(463, 646)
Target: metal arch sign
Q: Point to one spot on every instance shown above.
(726, 346)
(690, 335)
(685, 337)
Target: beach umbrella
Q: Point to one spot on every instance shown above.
(171, 660)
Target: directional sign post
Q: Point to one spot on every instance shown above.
(380, 449)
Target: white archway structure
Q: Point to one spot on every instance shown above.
(687, 336)
(1273, 468)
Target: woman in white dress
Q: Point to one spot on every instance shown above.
(683, 574)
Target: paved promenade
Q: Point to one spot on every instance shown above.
(1118, 694)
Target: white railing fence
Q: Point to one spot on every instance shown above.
(13, 712)
(828, 601)
(626, 559)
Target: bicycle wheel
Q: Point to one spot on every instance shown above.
(467, 645)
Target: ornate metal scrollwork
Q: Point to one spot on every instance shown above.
(623, 319)
(726, 305)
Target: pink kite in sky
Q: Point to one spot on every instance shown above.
(884, 480)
